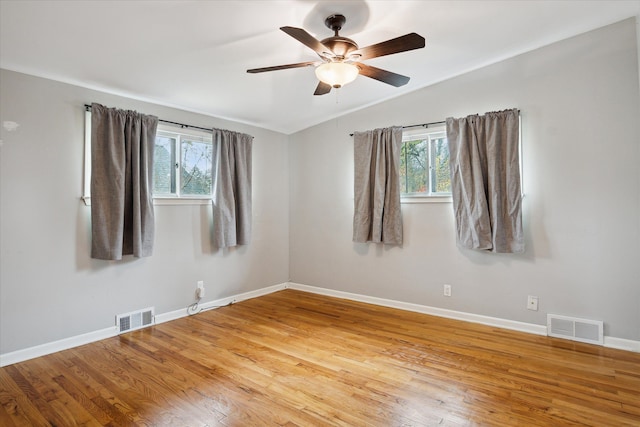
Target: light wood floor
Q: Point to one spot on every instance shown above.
(299, 359)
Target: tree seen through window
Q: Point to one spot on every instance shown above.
(183, 165)
(424, 163)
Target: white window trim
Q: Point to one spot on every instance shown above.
(163, 201)
(168, 199)
(419, 198)
(411, 198)
(157, 200)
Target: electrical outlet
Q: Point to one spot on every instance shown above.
(200, 289)
(532, 303)
(447, 290)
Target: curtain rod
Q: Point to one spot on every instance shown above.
(182, 125)
(425, 125)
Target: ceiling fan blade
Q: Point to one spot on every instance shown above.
(282, 67)
(384, 76)
(308, 40)
(322, 88)
(399, 44)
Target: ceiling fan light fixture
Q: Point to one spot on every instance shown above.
(337, 74)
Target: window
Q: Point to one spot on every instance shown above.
(182, 164)
(424, 164)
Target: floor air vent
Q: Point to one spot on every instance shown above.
(134, 320)
(589, 331)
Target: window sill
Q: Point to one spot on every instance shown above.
(165, 201)
(425, 199)
(160, 201)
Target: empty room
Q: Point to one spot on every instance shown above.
(319, 213)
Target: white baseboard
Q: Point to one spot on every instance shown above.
(55, 346)
(67, 343)
(622, 344)
(425, 309)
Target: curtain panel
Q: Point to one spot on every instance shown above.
(232, 196)
(377, 216)
(122, 218)
(485, 181)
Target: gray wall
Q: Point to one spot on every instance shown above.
(49, 287)
(579, 102)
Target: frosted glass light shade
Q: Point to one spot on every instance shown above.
(336, 74)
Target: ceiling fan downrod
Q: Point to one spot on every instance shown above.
(335, 23)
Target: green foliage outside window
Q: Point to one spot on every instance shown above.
(424, 164)
(413, 166)
(441, 178)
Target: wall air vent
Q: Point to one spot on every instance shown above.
(135, 320)
(589, 331)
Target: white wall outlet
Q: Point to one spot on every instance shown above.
(532, 303)
(200, 289)
(447, 290)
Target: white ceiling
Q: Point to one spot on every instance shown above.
(194, 54)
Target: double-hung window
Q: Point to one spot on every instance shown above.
(182, 164)
(424, 164)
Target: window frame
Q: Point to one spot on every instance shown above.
(430, 196)
(179, 133)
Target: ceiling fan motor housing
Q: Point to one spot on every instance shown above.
(340, 46)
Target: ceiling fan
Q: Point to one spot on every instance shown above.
(340, 57)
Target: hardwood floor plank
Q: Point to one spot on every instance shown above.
(16, 408)
(82, 385)
(298, 359)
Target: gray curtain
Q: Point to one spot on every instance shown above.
(122, 220)
(485, 181)
(232, 201)
(377, 216)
